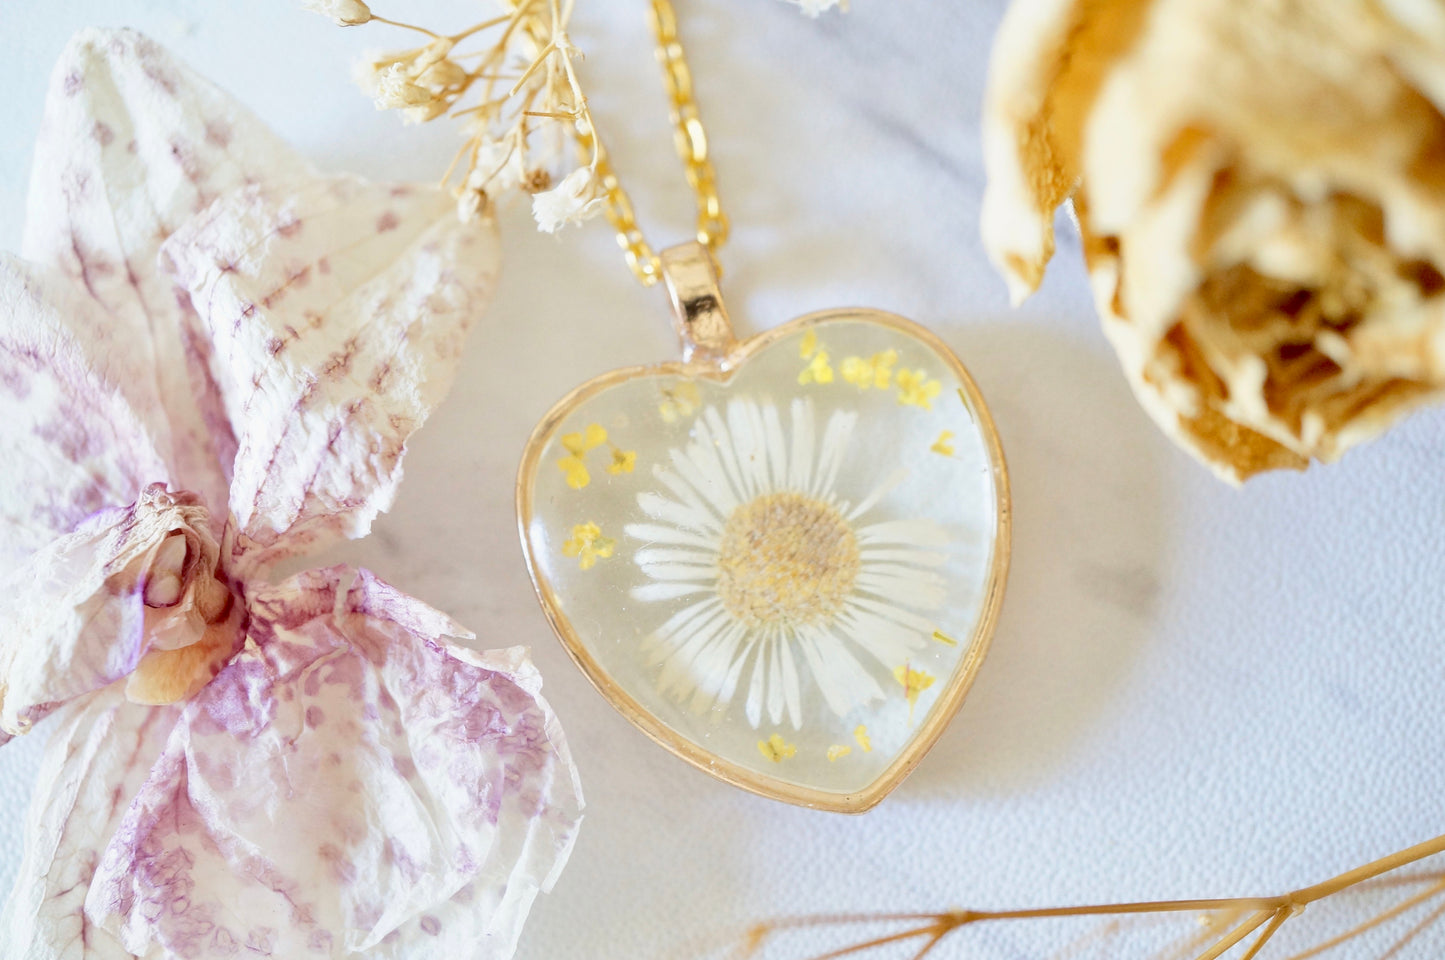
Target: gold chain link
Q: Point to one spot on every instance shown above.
(692, 147)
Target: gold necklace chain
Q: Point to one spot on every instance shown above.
(692, 147)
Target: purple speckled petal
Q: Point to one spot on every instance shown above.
(338, 312)
(101, 751)
(70, 442)
(351, 782)
(133, 143)
(74, 616)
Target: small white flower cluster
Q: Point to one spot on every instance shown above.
(422, 83)
(528, 130)
(578, 197)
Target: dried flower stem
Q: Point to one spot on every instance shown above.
(1262, 917)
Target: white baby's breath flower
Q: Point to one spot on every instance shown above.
(392, 88)
(496, 169)
(442, 74)
(576, 198)
(346, 13)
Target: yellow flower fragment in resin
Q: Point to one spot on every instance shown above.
(787, 536)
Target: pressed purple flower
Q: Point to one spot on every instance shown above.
(211, 359)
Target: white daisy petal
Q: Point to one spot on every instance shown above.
(660, 508)
(791, 692)
(660, 642)
(659, 533)
(721, 450)
(686, 619)
(680, 572)
(775, 683)
(830, 457)
(747, 444)
(916, 591)
(921, 558)
(892, 612)
(650, 555)
(686, 492)
(756, 684)
(777, 447)
(649, 592)
(920, 533)
(899, 570)
(800, 473)
(730, 682)
(677, 676)
(715, 665)
(849, 685)
(671, 645)
(887, 642)
(889, 484)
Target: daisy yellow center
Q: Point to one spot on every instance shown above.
(786, 559)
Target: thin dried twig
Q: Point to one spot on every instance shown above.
(1237, 918)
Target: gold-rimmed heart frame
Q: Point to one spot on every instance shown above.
(809, 744)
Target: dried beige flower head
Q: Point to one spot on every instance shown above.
(1260, 187)
(346, 13)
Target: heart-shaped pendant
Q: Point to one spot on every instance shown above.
(782, 559)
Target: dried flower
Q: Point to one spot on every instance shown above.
(345, 13)
(576, 198)
(529, 121)
(1270, 270)
(214, 378)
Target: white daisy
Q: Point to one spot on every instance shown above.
(781, 574)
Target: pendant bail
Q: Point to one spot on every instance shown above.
(701, 321)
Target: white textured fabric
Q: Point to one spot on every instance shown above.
(1194, 691)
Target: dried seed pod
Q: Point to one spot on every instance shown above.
(1260, 187)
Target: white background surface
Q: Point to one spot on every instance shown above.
(1193, 691)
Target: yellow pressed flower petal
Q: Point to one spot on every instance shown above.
(875, 371)
(838, 750)
(576, 472)
(808, 344)
(776, 749)
(588, 545)
(623, 461)
(681, 401)
(594, 436)
(914, 682)
(916, 390)
(817, 370)
(573, 444)
(860, 733)
(883, 368)
(943, 445)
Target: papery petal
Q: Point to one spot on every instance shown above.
(70, 442)
(132, 143)
(350, 782)
(73, 617)
(101, 751)
(338, 312)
